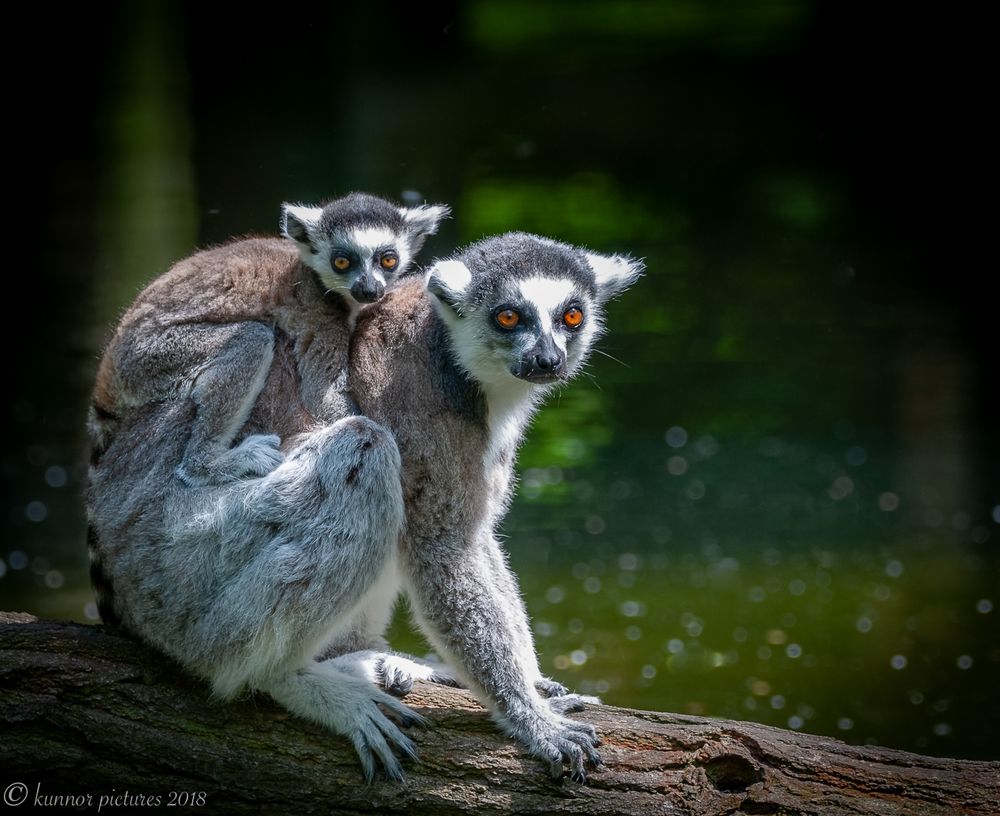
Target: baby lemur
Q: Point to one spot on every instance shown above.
(245, 562)
(208, 330)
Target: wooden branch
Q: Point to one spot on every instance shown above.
(87, 710)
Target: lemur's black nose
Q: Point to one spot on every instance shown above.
(550, 362)
(546, 357)
(367, 290)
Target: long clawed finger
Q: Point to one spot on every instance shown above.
(587, 747)
(401, 714)
(378, 744)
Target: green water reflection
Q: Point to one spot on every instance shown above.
(772, 496)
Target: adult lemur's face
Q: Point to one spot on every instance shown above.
(520, 306)
(360, 243)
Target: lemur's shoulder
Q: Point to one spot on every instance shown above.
(401, 316)
(401, 346)
(391, 332)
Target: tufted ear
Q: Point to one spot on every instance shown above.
(301, 224)
(613, 274)
(448, 282)
(423, 220)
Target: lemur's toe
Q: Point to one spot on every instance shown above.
(395, 682)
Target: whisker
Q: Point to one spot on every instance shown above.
(592, 378)
(611, 357)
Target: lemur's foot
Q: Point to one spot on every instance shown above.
(375, 733)
(570, 703)
(371, 719)
(394, 673)
(560, 699)
(548, 687)
(255, 456)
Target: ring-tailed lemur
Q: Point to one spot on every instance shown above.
(455, 376)
(207, 329)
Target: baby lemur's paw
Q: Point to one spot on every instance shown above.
(255, 456)
(559, 740)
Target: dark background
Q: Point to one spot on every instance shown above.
(808, 183)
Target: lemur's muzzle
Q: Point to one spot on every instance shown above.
(544, 362)
(367, 290)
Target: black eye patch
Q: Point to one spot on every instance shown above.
(343, 259)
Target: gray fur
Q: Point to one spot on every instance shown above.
(245, 583)
(429, 367)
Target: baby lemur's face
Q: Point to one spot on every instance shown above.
(524, 307)
(360, 243)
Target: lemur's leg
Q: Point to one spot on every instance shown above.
(224, 392)
(506, 584)
(320, 531)
(222, 368)
(472, 613)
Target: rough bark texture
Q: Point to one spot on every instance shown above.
(86, 709)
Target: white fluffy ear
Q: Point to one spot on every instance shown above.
(300, 223)
(423, 220)
(613, 274)
(448, 281)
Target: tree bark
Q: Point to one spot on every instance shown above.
(89, 710)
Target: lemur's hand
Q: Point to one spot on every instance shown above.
(371, 719)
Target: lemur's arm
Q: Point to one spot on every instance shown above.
(467, 602)
(221, 368)
(224, 393)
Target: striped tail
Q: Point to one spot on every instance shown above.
(101, 427)
(104, 592)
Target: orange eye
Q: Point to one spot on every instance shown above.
(389, 261)
(508, 318)
(341, 262)
(573, 317)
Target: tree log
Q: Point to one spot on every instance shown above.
(87, 710)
